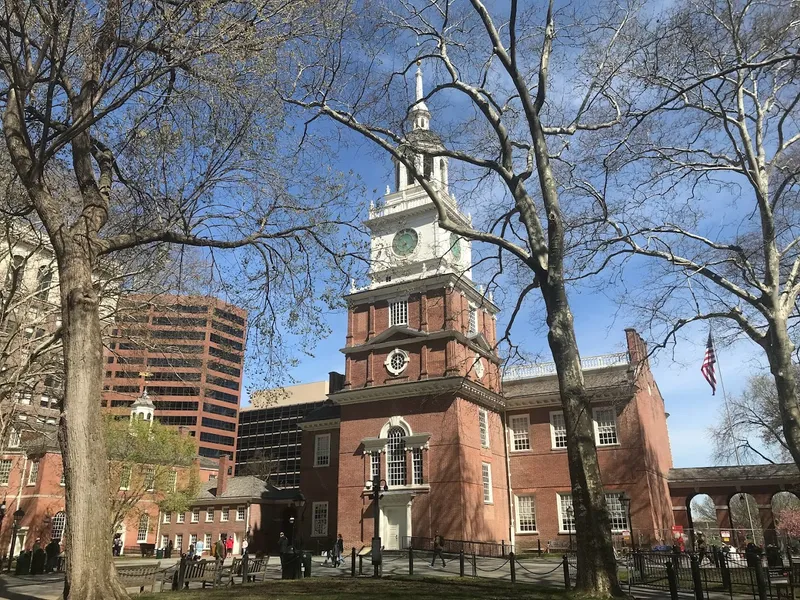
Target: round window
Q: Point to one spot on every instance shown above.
(396, 362)
(479, 368)
(405, 242)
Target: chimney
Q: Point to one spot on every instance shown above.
(637, 348)
(335, 382)
(225, 471)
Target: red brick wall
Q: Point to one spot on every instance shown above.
(319, 484)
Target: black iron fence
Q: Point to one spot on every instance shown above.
(484, 549)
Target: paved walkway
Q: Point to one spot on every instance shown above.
(49, 587)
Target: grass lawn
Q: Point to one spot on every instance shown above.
(387, 588)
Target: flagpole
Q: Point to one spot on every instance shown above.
(733, 433)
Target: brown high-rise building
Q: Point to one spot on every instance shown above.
(188, 352)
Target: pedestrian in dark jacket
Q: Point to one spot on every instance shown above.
(438, 548)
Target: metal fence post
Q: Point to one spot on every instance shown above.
(353, 562)
(672, 579)
(461, 563)
(245, 565)
(539, 547)
(565, 561)
(503, 548)
(474, 565)
(360, 564)
(513, 560)
(761, 581)
(410, 560)
(697, 580)
(724, 571)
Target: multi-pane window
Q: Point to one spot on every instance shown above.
(223, 515)
(193, 540)
(173, 481)
(398, 312)
(617, 512)
(396, 457)
(196, 515)
(144, 525)
(58, 525)
(14, 438)
(240, 513)
(605, 426)
(150, 479)
(181, 517)
(486, 473)
(179, 542)
(167, 517)
(526, 514)
(483, 424)
(209, 515)
(322, 450)
(520, 432)
(164, 540)
(566, 515)
(63, 477)
(375, 459)
(33, 474)
(125, 478)
(320, 515)
(207, 542)
(5, 471)
(558, 430)
(473, 320)
(416, 464)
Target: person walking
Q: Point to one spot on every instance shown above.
(219, 550)
(228, 546)
(438, 548)
(283, 551)
(190, 554)
(702, 546)
(198, 548)
(245, 544)
(339, 549)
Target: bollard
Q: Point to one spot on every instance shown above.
(672, 579)
(761, 581)
(697, 580)
(353, 562)
(676, 553)
(410, 560)
(244, 568)
(182, 571)
(461, 563)
(539, 547)
(513, 562)
(360, 564)
(724, 571)
(566, 573)
(503, 548)
(474, 565)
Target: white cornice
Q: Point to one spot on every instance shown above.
(317, 425)
(420, 336)
(554, 399)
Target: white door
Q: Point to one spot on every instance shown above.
(395, 527)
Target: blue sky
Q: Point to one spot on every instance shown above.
(600, 328)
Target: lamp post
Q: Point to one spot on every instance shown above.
(625, 501)
(18, 514)
(376, 538)
(571, 523)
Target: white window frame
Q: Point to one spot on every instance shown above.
(562, 515)
(241, 513)
(483, 427)
(125, 478)
(388, 362)
(472, 320)
(5, 474)
(375, 464)
(210, 515)
(193, 540)
(179, 541)
(142, 539)
(417, 468)
(605, 409)
(181, 517)
(164, 540)
(224, 516)
(518, 519)
(315, 531)
(150, 479)
(398, 312)
(173, 481)
(516, 431)
(33, 473)
(557, 414)
(620, 515)
(195, 515)
(167, 517)
(486, 480)
(207, 542)
(396, 466)
(322, 454)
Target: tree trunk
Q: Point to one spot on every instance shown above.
(597, 566)
(779, 348)
(90, 569)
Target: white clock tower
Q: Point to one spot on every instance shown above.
(406, 240)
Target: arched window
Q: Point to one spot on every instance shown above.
(396, 457)
(428, 164)
(44, 281)
(59, 523)
(443, 171)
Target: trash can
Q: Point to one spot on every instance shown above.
(297, 565)
(160, 553)
(307, 564)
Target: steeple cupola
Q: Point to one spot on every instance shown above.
(420, 115)
(143, 408)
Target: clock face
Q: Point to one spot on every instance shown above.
(404, 242)
(455, 246)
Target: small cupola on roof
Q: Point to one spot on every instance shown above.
(420, 115)
(143, 408)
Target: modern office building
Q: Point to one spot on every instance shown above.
(188, 352)
(269, 438)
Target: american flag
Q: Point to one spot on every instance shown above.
(709, 360)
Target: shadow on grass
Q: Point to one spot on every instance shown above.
(387, 588)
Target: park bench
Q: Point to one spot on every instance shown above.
(204, 571)
(560, 546)
(255, 567)
(139, 576)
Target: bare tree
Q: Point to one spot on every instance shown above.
(706, 180)
(508, 131)
(262, 465)
(131, 124)
(750, 426)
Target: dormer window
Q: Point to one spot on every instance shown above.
(398, 312)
